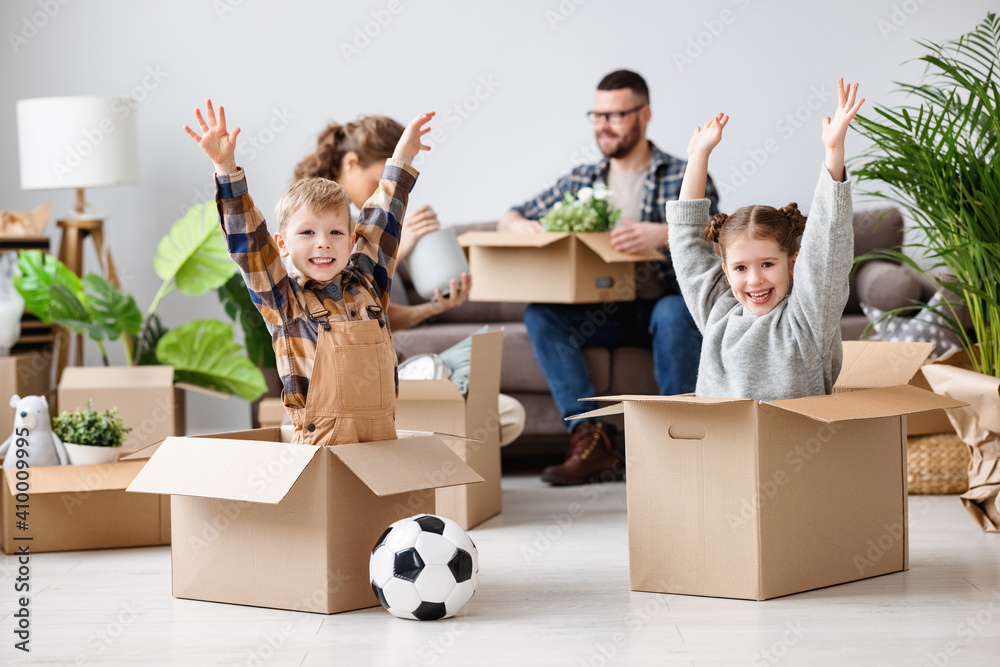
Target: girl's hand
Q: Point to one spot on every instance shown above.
(409, 144)
(217, 143)
(835, 130)
(708, 137)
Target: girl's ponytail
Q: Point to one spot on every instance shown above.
(713, 229)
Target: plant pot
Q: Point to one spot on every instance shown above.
(81, 455)
(979, 428)
(435, 260)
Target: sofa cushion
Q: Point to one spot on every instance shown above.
(631, 372)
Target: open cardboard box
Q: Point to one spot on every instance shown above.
(744, 499)
(147, 399)
(24, 374)
(74, 507)
(552, 267)
(437, 405)
(259, 521)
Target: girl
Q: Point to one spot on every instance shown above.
(354, 155)
(764, 339)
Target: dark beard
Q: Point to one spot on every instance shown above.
(627, 143)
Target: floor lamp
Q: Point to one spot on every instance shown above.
(78, 142)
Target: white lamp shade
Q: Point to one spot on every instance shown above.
(77, 142)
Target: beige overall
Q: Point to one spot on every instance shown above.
(352, 388)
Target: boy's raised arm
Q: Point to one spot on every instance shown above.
(380, 223)
(217, 143)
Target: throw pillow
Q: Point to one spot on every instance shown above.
(459, 360)
(887, 285)
(927, 326)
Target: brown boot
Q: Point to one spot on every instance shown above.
(593, 457)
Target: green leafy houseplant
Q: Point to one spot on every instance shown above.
(88, 427)
(591, 210)
(938, 158)
(192, 259)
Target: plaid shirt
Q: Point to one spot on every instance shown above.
(663, 183)
(360, 292)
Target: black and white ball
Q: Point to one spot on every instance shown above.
(424, 567)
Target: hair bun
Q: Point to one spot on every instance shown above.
(794, 216)
(714, 227)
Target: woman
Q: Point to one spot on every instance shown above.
(354, 155)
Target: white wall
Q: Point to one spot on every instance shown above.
(290, 66)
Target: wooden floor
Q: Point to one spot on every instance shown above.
(553, 591)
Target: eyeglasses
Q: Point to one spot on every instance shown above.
(613, 117)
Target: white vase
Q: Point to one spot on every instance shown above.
(81, 455)
(435, 260)
(11, 304)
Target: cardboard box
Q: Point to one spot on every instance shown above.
(262, 522)
(81, 507)
(24, 374)
(271, 412)
(745, 499)
(552, 267)
(437, 405)
(146, 398)
(936, 421)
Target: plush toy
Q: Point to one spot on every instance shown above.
(32, 422)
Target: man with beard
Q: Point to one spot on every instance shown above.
(642, 179)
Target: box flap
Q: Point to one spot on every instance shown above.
(205, 391)
(600, 243)
(399, 466)
(429, 390)
(680, 398)
(112, 377)
(256, 471)
(77, 478)
(615, 409)
(879, 364)
(867, 404)
(510, 239)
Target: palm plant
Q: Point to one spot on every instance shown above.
(938, 159)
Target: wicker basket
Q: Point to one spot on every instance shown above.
(937, 464)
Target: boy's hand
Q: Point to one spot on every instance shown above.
(219, 144)
(409, 144)
(835, 130)
(708, 137)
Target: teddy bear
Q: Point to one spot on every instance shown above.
(32, 422)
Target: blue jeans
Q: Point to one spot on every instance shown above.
(559, 331)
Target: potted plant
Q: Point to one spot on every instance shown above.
(90, 436)
(938, 158)
(591, 210)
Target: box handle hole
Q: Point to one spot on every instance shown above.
(686, 432)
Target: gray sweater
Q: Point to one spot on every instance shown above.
(793, 351)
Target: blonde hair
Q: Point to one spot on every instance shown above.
(371, 138)
(321, 195)
(784, 226)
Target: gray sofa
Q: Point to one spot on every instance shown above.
(624, 370)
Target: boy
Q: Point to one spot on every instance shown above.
(328, 323)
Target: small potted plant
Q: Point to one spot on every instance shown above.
(90, 436)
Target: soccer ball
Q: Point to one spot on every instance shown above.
(424, 567)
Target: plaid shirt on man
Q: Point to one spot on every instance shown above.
(663, 183)
(360, 292)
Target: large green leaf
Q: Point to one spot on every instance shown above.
(235, 299)
(68, 311)
(109, 307)
(194, 253)
(37, 273)
(204, 353)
